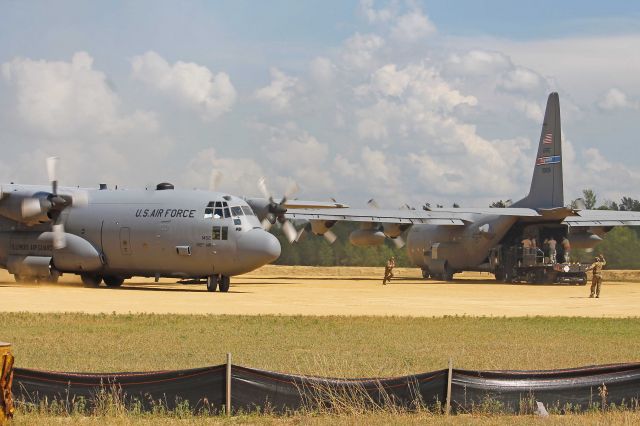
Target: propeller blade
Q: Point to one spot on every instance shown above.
(30, 207)
(266, 225)
(398, 241)
(290, 192)
(373, 204)
(289, 231)
(301, 234)
(330, 236)
(262, 185)
(215, 179)
(59, 239)
(79, 198)
(52, 171)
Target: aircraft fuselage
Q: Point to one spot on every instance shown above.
(126, 233)
(437, 248)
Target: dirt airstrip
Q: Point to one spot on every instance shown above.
(330, 291)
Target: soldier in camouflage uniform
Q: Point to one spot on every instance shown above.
(388, 270)
(596, 281)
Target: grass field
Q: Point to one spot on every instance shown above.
(336, 346)
(331, 346)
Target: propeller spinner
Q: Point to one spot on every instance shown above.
(276, 210)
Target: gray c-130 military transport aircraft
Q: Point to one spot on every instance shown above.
(445, 241)
(111, 235)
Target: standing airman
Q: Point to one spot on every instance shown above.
(553, 254)
(526, 245)
(566, 246)
(388, 270)
(596, 281)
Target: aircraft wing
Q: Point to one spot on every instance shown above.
(603, 218)
(302, 204)
(509, 211)
(456, 217)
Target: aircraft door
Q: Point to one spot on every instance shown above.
(117, 243)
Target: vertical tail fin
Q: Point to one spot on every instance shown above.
(546, 185)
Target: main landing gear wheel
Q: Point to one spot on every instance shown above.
(212, 282)
(51, 279)
(91, 280)
(224, 283)
(113, 281)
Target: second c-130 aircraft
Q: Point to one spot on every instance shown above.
(445, 241)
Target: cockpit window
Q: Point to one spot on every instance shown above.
(236, 211)
(208, 212)
(217, 210)
(247, 210)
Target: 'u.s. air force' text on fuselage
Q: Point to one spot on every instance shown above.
(172, 213)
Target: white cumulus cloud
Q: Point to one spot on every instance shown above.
(280, 93)
(412, 27)
(359, 50)
(237, 175)
(520, 79)
(531, 110)
(63, 98)
(322, 70)
(616, 99)
(193, 85)
(374, 15)
(478, 62)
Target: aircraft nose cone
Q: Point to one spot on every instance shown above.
(258, 247)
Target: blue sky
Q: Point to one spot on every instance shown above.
(425, 96)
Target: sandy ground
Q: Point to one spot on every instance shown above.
(326, 291)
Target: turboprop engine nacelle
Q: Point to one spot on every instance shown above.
(367, 237)
(584, 240)
(77, 255)
(319, 227)
(26, 209)
(393, 230)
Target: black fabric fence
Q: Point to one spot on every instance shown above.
(201, 387)
(259, 390)
(575, 389)
(253, 389)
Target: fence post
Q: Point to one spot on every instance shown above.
(227, 407)
(6, 378)
(448, 400)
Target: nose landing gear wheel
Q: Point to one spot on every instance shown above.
(224, 283)
(212, 283)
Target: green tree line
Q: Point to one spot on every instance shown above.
(620, 246)
(314, 250)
